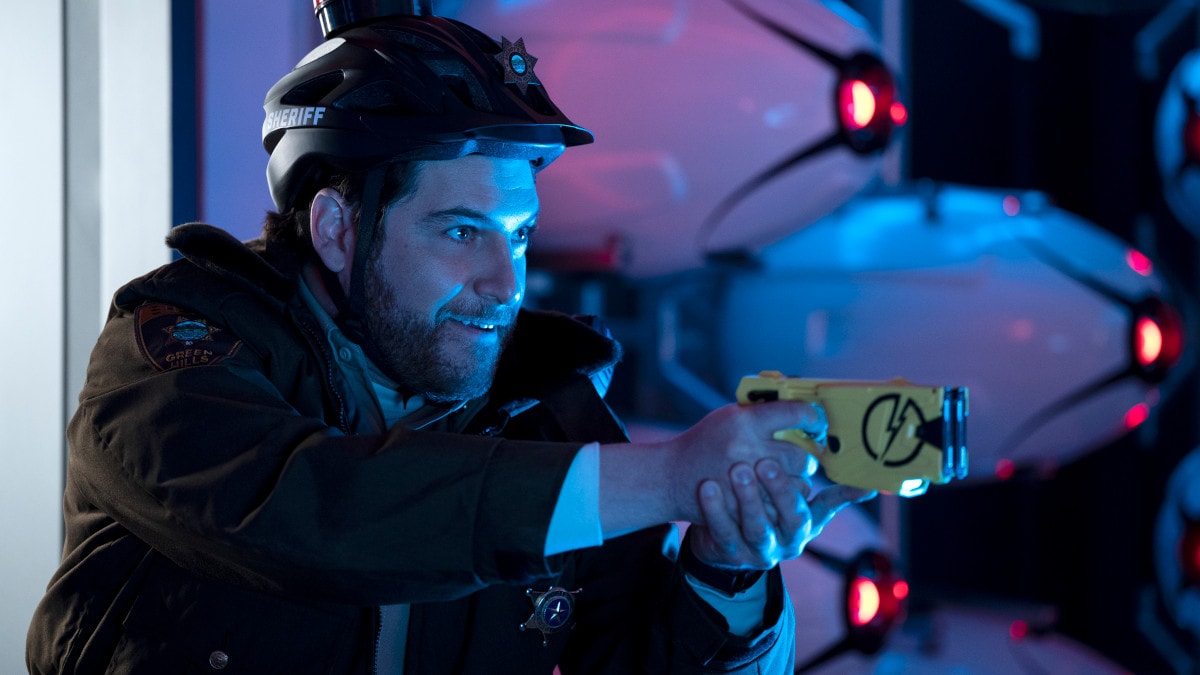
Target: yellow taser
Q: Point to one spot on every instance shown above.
(893, 436)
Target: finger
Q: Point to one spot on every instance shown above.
(789, 494)
(724, 535)
(815, 423)
(795, 460)
(757, 529)
(775, 478)
(810, 466)
(826, 503)
(776, 415)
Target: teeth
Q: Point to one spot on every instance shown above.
(476, 324)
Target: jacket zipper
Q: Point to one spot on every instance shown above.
(317, 339)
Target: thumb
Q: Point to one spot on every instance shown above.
(827, 502)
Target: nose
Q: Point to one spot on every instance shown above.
(501, 273)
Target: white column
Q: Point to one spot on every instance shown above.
(85, 182)
(31, 336)
(135, 139)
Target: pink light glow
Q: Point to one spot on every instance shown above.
(1138, 262)
(1005, 469)
(1136, 415)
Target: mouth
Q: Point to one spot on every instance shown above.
(483, 325)
(478, 324)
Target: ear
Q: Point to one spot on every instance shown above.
(333, 233)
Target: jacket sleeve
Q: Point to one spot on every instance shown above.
(637, 613)
(212, 466)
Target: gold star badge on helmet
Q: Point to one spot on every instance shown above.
(517, 64)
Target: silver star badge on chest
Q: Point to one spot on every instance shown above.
(552, 610)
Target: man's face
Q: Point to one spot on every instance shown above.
(444, 286)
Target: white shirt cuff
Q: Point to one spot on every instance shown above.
(744, 611)
(576, 519)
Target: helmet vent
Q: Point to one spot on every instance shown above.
(407, 40)
(463, 92)
(384, 97)
(461, 82)
(314, 90)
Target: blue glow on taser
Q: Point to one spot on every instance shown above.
(913, 487)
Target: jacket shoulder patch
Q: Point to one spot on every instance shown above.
(171, 338)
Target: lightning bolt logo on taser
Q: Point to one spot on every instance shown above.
(892, 436)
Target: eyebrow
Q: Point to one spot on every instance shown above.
(445, 215)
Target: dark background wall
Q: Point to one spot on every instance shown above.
(1076, 123)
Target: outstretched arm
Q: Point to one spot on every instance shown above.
(750, 495)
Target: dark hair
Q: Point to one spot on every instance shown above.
(291, 228)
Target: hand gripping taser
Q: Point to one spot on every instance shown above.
(893, 436)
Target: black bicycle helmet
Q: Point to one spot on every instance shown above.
(392, 84)
(406, 88)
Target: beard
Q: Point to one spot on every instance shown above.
(420, 357)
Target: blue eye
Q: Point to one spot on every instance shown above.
(521, 239)
(523, 235)
(461, 232)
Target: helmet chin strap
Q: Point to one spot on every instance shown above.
(352, 307)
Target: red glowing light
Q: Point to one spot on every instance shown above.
(873, 601)
(864, 601)
(867, 108)
(1139, 263)
(1005, 469)
(1148, 341)
(1157, 341)
(1011, 205)
(1018, 629)
(858, 103)
(1136, 415)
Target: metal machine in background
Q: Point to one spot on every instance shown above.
(726, 129)
(1177, 141)
(1170, 617)
(1066, 336)
(721, 125)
